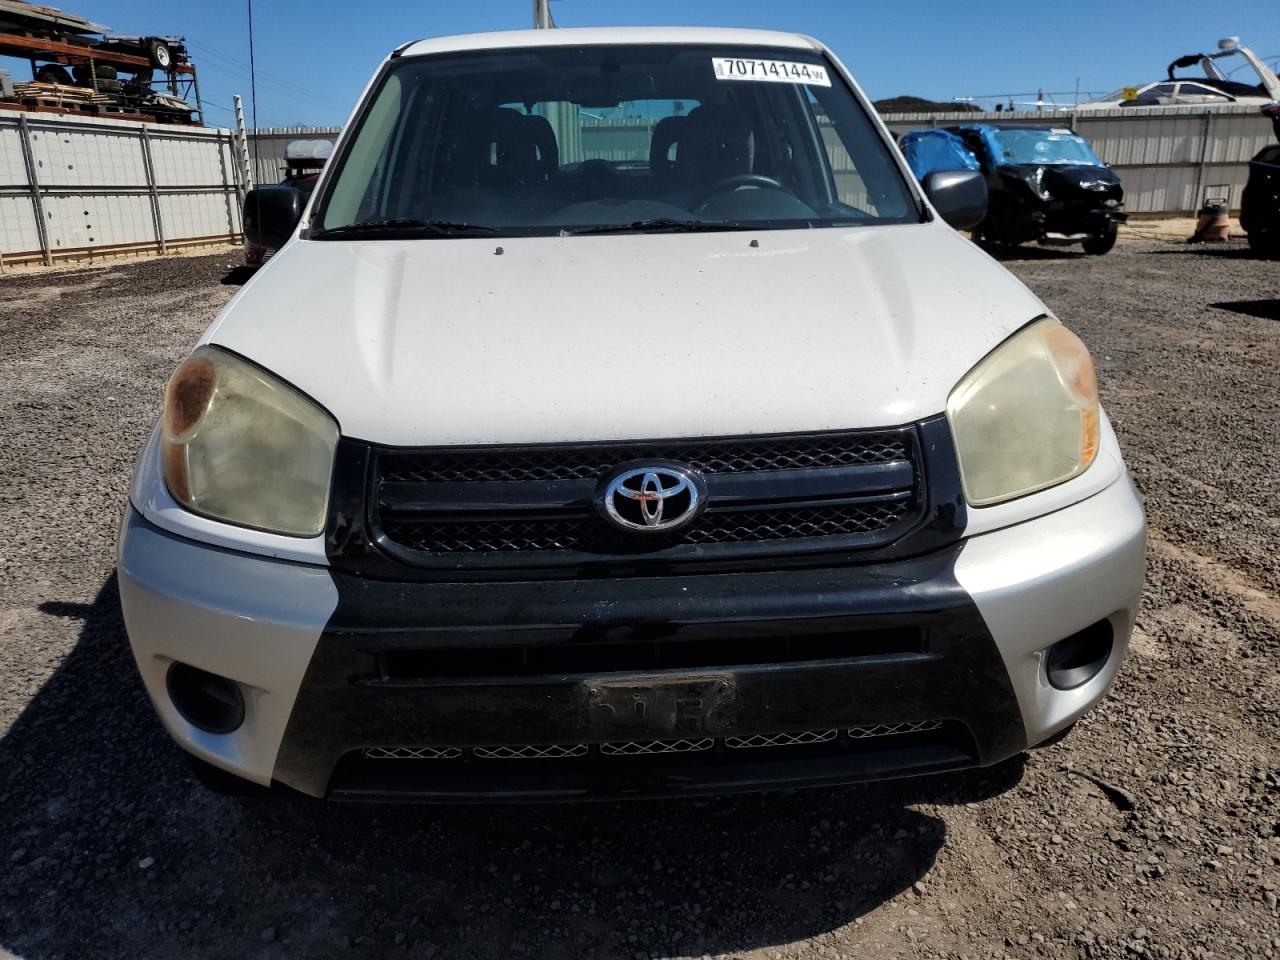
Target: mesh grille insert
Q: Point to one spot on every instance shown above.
(800, 739)
(591, 461)
(641, 748)
(889, 729)
(490, 536)
(741, 526)
(413, 753)
(573, 533)
(545, 751)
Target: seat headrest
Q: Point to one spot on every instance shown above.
(667, 131)
(504, 146)
(718, 143)
(544, 139)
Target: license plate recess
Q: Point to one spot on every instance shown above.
(661, 706)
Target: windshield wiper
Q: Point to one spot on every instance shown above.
(660, 225)
(401, 227)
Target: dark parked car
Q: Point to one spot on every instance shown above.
(1045, 183)
(304, 159)
(1260, 205)
(298, 189)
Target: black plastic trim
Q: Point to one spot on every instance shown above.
(484, 497)
(205, 700)
(383, 781)
(953, 673)
(1075, 660)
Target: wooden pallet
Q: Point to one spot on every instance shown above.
(56, 93)
(100, 111)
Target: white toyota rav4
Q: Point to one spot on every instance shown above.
(619, 417)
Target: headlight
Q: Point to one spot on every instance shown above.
(1026, 417)
(242, 446)
(1034, 179)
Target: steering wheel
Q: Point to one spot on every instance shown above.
(741, 180)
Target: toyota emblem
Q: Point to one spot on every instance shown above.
(653, 498)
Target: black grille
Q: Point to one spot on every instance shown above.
(591, 461)
(744, 526)
(574, 533)
(517, 506)
(490, 536)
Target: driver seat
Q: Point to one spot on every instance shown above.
(667, 133)
(716, 143)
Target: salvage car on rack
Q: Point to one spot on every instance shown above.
(78, 66)
(1046, 184)
(1214, 87)
(545, 462)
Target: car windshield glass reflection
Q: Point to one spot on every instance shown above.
(574, 140)
(1043, 146)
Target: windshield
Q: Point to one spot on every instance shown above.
(1042, 146)
(610, 138)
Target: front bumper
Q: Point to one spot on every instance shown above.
(951, 644)
(1065, 219)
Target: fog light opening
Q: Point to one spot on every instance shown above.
(205, 700)
(1079, 658)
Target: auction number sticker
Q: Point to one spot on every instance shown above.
(770, 71)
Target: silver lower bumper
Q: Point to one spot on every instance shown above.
(1040, 581)
(257, 620)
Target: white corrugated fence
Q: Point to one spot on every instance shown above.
(268, 144)
(75, 186)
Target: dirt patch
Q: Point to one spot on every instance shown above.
(109, 849)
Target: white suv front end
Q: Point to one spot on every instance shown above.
(621, 419)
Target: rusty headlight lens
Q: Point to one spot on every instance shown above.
(243, 446)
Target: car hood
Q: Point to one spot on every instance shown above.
(1078, 182)
(414, 342)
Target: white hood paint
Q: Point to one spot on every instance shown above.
(418, 342)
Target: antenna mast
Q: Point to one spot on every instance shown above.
(542, 19)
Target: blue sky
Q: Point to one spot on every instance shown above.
(314, 56)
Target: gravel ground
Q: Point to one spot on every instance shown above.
(1153, 830)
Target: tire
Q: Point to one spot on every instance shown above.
(160, 54)
(996, 248)
(220, 782)
(1101, 243)
(52, 73)
(1265, 244)
(103, 71)
(142, 76)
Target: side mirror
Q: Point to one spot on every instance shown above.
(959, 196)
(270, 215)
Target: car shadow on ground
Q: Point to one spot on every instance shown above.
(1261, 309)
(109, 848)
(1232, 250)
(1032, 253)
(238, 276)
